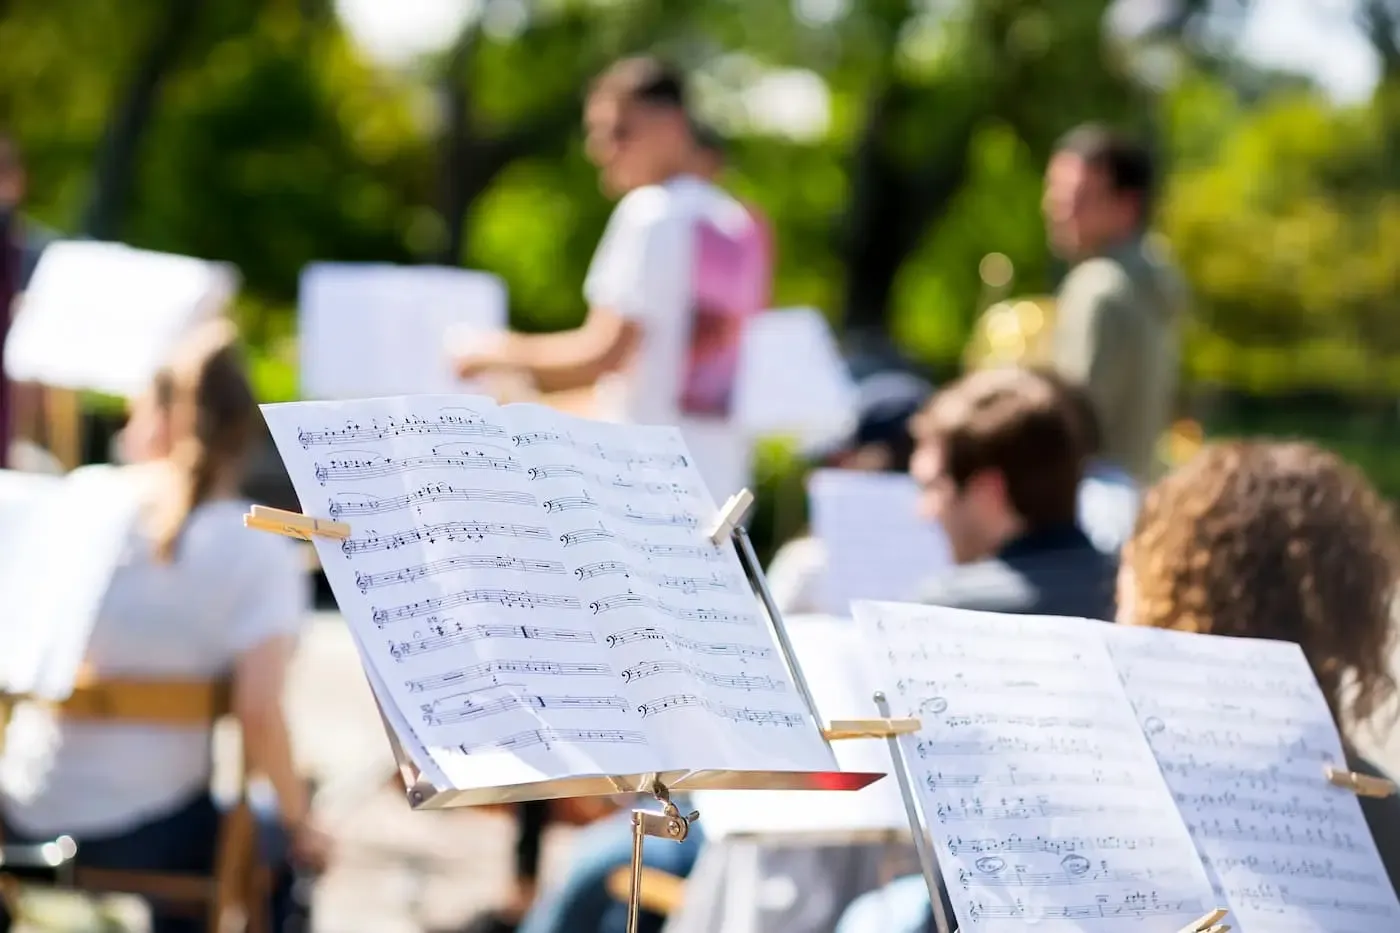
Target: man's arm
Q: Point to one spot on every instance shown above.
(569, 359)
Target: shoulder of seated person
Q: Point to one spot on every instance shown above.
(1101, 274)
(987, 584)
(648, 203)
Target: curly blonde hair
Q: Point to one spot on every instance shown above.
(1274, 540)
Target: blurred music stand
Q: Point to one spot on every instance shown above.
(669, 823)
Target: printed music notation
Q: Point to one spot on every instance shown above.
(461, 422)
(440, 715)
(712, 582)
(491, 569)
(1284, 848)
(451, 636)
(511, 599)
(349, 504)
(547, 737)
(1039, 789)
(636, 601)
(678, 701)
(361, 465)
(371, 581)
(441, 533)
(493, 670)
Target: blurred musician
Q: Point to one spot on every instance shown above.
(680, 268)
(1118, 310)
(998, 457)
(197, 597)
(1282, 541)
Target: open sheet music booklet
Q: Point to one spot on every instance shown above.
(1079, 776)
(535, 597)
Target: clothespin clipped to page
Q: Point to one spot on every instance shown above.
(1210, 923)
(1363, 785)
(839, 729)
(294, 524)
(732, 516)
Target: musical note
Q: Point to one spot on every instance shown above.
(493, 670)
(370, 581)
(443, 532)
(461, 635)
(1247, 772)
(631, 600)
(472, 709)
(462, 422)
(517, 599)
(547, 737)
(677, 701)
(647, 669)
(346, 505)
(358, 465)
(1033, 773)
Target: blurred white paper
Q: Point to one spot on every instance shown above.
(834, 663)
(56, 562)
(792, 380)
(876, 544)
(372, 330)
(106, 316)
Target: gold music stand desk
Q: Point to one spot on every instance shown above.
(669, 823)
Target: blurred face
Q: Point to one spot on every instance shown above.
(147, 435)
(1083, 214)
(633, 144)
(973, 518)
(11, 185)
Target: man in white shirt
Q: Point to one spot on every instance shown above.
(680, 269)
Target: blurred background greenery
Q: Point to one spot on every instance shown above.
(894, 143)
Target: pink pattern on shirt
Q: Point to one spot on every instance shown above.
(733, 279)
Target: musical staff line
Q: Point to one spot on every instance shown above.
(442, 532)
(677, 701)
(348, 504)
(472, 709)
(443, 637)
(493, 669)
(461, 422)
(640, 672)
(511, 599)
(548, 737)
(370, 581)
(368, 465)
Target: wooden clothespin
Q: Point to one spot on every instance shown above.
(294, 524)
(839, 729)
(1363, 785)
(732, 516)
(1210, 923)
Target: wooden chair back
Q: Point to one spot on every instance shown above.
(237, 892)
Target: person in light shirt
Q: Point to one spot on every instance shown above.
(680, 269)
(197, 597)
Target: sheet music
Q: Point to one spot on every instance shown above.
(877, 546)
(811, 397)
(131, 306)
(1243, 733)
(1043, 799)
(372, 329)
(830, 653)
(52, 587)
(537, 594)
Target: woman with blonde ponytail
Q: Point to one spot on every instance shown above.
(198, 597)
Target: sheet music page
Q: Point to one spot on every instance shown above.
(877, 546)
(1042, 797)
(52, 587)
(832, 656)
(131, 306)
(536, 593)
(812, 397)
(375, 329)
(1243, 733)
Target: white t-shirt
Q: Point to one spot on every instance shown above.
(689, 263)
(229, 590)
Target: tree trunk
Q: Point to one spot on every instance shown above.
(116, 160)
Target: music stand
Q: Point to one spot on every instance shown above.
(669, 823)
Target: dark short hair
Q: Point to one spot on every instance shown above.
(643, 80)
(1018, 423)
(1124, 161)
(1083, 408)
